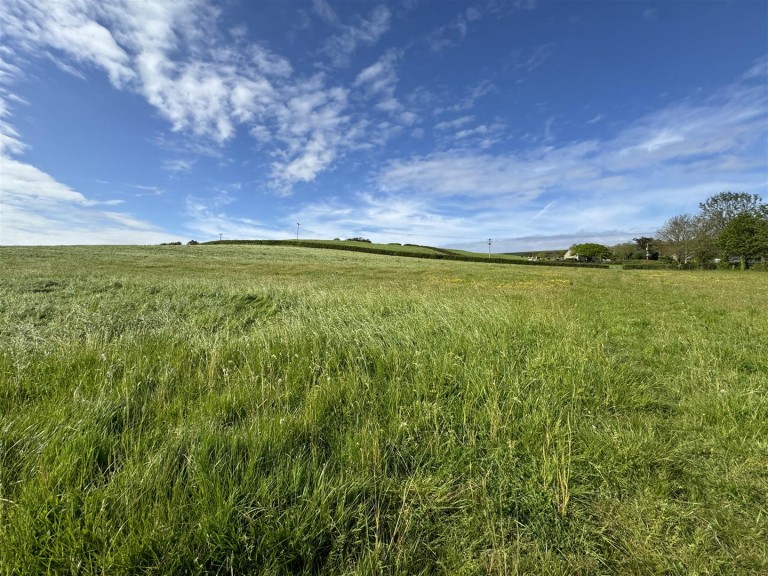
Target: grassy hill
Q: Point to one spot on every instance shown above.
(408, 250)
(256, 409)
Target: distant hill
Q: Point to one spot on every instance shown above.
(412, 251)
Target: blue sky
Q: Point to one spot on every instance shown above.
(536, 123)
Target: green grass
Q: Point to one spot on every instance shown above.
(409, 250)
(278, 410)
(372, 247)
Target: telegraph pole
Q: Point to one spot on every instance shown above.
(297, 230)
(490, 241)
(220, 236)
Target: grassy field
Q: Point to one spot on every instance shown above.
(342, 244)
(273, 410)
(394, 249)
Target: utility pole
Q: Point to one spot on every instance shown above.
(647, 251)
(297, 230)
(490, 241)
(220, 236)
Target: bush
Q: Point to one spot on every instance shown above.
(358, 239)
(759, 267)
(193, 243)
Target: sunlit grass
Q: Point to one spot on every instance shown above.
(252, 409)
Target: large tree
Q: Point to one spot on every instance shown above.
(715, 214)
(627, 251)
(679, 234)
(591, 251)
(648, 246)
(745, 236)
(718, 210)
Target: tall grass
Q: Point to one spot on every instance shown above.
(253, 409)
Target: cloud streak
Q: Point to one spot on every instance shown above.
(664, 162)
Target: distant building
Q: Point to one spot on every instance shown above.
(571, 256)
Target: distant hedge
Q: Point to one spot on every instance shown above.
(443, 255)
(667, 266)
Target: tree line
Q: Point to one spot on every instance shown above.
(729, 226)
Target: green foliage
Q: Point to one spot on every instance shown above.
(238, 409)
(710, 233)
(746, 236)
(591, 251)
(718, 210)
(643, 242)
(627, 251)
(648, 247)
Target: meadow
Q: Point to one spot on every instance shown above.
(224, 409)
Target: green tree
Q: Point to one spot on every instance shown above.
(678, 235)
(715, 214)
(648, 246)
(718, 210)
(591, 251)
(627, 251)
(745, 236)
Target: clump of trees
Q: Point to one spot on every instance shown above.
(591, 251)
(728, 225)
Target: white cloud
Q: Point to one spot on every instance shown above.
(453, 124)
(173, 54)
(455, 31)
(380, 77)
(379, 81)
(470, 98)
(313, 128)
(382, 218)
(178, 165)
(206, 219)
(662, 164)
(37, 209)
(366, 31)
(537, 57)
(325, 11)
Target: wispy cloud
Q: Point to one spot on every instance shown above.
(206, 218)
(178, 165)
(664, 162)
(535, 58)
(37, 209)
(364, 31)
(325, 11)
(468, 100)
(454, 32)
